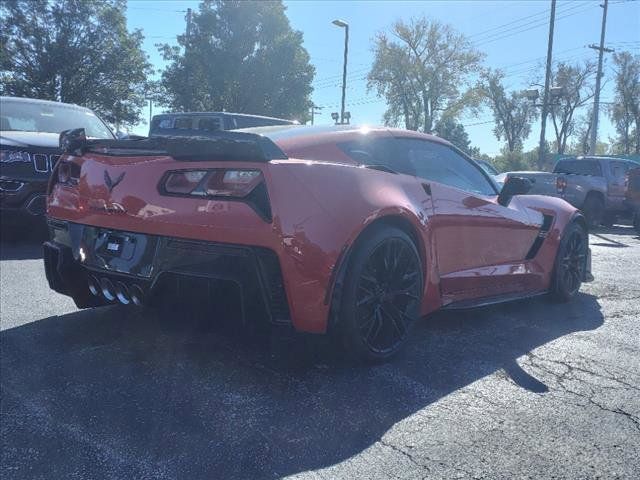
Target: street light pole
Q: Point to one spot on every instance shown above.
(345, 25)
(547, 77)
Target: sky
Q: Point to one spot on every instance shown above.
(512, 34)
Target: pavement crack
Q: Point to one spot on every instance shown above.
(403, 453)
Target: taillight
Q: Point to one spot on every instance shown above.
(211, 183)
(67, 173)
(561, 184)
(242, 185)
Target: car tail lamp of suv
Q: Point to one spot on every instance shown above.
(561, 184)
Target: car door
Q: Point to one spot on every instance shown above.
(480, 245)
(616, 184)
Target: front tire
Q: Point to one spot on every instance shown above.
(382, 294)
(571, 263)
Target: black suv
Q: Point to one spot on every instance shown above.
(29, 131)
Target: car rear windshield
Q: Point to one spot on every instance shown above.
(579, 167)
(50, 118)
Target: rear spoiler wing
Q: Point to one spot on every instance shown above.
(219, 145)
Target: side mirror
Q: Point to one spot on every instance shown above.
(513, 186)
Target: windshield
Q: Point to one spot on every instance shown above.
(50, 118)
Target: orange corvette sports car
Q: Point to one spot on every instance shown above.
(358, 231)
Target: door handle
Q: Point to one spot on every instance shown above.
(427, 188)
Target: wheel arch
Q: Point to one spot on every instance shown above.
(399, 221)
(594, 194)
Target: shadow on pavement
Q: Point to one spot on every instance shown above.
(121, 393)
(21, 243)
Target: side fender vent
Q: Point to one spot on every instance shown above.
(547, 221)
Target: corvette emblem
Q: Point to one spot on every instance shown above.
(111, 184)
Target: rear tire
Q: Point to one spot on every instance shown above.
(593, 209)
(381, 294)
(570, 264)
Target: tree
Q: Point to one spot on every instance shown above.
(241, 57)
(575, 81)
(421, 71)
(625, 111)
(512, 112)
(74, 51)
(582, 131)
(454, 132)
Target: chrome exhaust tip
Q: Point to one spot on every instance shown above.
(108, 290)
(94, 285)
(137, 295)
(122, 293)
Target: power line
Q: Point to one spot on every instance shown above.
(539, 23)
(529, 19)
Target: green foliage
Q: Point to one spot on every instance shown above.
(240, 57)
(75, 51)
(420, 71)
(625, 112)
(513, 113)
(449, 129)
(576, 80)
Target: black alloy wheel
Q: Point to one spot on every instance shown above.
(571, 262)
(383, 294)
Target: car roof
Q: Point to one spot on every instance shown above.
(37, 101)
(200, 114)
(305, 135)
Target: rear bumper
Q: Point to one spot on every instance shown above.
(79, 263)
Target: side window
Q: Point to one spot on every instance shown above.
(370, 151)
(618, 170)
(165, 123)
(182, 123)
(245, 122)
(442, 164)
(209, 124)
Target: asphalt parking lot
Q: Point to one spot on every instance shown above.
(525, 390)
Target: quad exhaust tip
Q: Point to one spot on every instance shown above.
(118, 291)
(122, 293)
(94, 286)
(137, 295)
(108, 289)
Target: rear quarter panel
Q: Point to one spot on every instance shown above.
(320, 209)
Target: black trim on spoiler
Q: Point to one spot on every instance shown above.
(219, 145)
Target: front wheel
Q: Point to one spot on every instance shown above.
(382, 294)
(571, 263)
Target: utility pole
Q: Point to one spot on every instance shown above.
(547, 78)
(596, 99)
(314, 107)
(187, 48)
